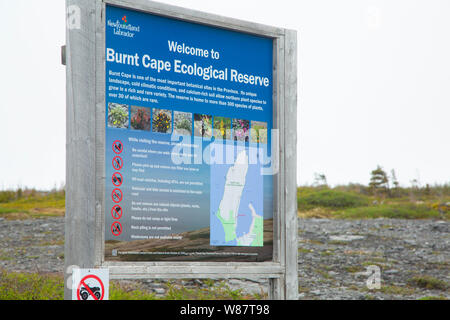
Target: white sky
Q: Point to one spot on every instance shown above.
(374, 86)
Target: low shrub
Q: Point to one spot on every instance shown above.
(428, 282)
(328, 198)
(33, 286)
(393, 211)
(30, 286)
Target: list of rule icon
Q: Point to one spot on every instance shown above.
(117, 194)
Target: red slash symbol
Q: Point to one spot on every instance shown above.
(116, 228)
(84, 291)
(117, 163)
(117, 195)
(117, 179)
(116, 212)
(117, 147)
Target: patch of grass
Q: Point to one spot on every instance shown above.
(381, 263)
(304, 250)
(33, 286)
(440, 265)
(315, 242)
(325, 267)
(303, 289)
(7, 210)
(213, 292)
(324, 274)
(433, 298)
(328, 252)
(356, 202)
(355, 252)
(46, 243)
(309, 198)
(318, 213)
(354, 269)
(51, 200)
(119, 292)
(428, 282)
(24, 286)
(356, 288)
(32, 204)
(397, 290)
(393, 211)
(375, 260)
(338, 243)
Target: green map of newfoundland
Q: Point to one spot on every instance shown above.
(245, 227)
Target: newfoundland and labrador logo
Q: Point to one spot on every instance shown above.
(123, 28)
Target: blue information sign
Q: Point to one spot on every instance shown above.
(189, 115)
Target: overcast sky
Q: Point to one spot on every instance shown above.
(374, 87)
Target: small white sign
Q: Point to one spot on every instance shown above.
(90, 284)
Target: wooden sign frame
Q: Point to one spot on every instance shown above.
(85, 153)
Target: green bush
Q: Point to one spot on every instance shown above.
(117, 292)
(7, 196)
(30, 286)
(428, 282)
(309, 198)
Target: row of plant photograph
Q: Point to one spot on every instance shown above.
(185, 123)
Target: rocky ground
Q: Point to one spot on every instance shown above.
(338, 259)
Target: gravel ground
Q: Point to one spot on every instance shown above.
(334, 257)
(337, 258)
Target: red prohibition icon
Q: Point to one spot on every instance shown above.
(117, 179)
(116, 228)
(116, 195)
(117, 147)
(116, 212)
(117, 163)
(84, 290)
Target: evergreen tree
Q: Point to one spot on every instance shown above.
(395, 183)
(379, 182)
(19, 193)
(320, 180)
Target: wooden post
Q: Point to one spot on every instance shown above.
(80, 140)
(290, 158)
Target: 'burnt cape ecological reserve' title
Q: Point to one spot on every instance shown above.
(177, 66)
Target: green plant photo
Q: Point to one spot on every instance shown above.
(118, 115)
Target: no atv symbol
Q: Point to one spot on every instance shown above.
(90, 284)
(90, 287)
